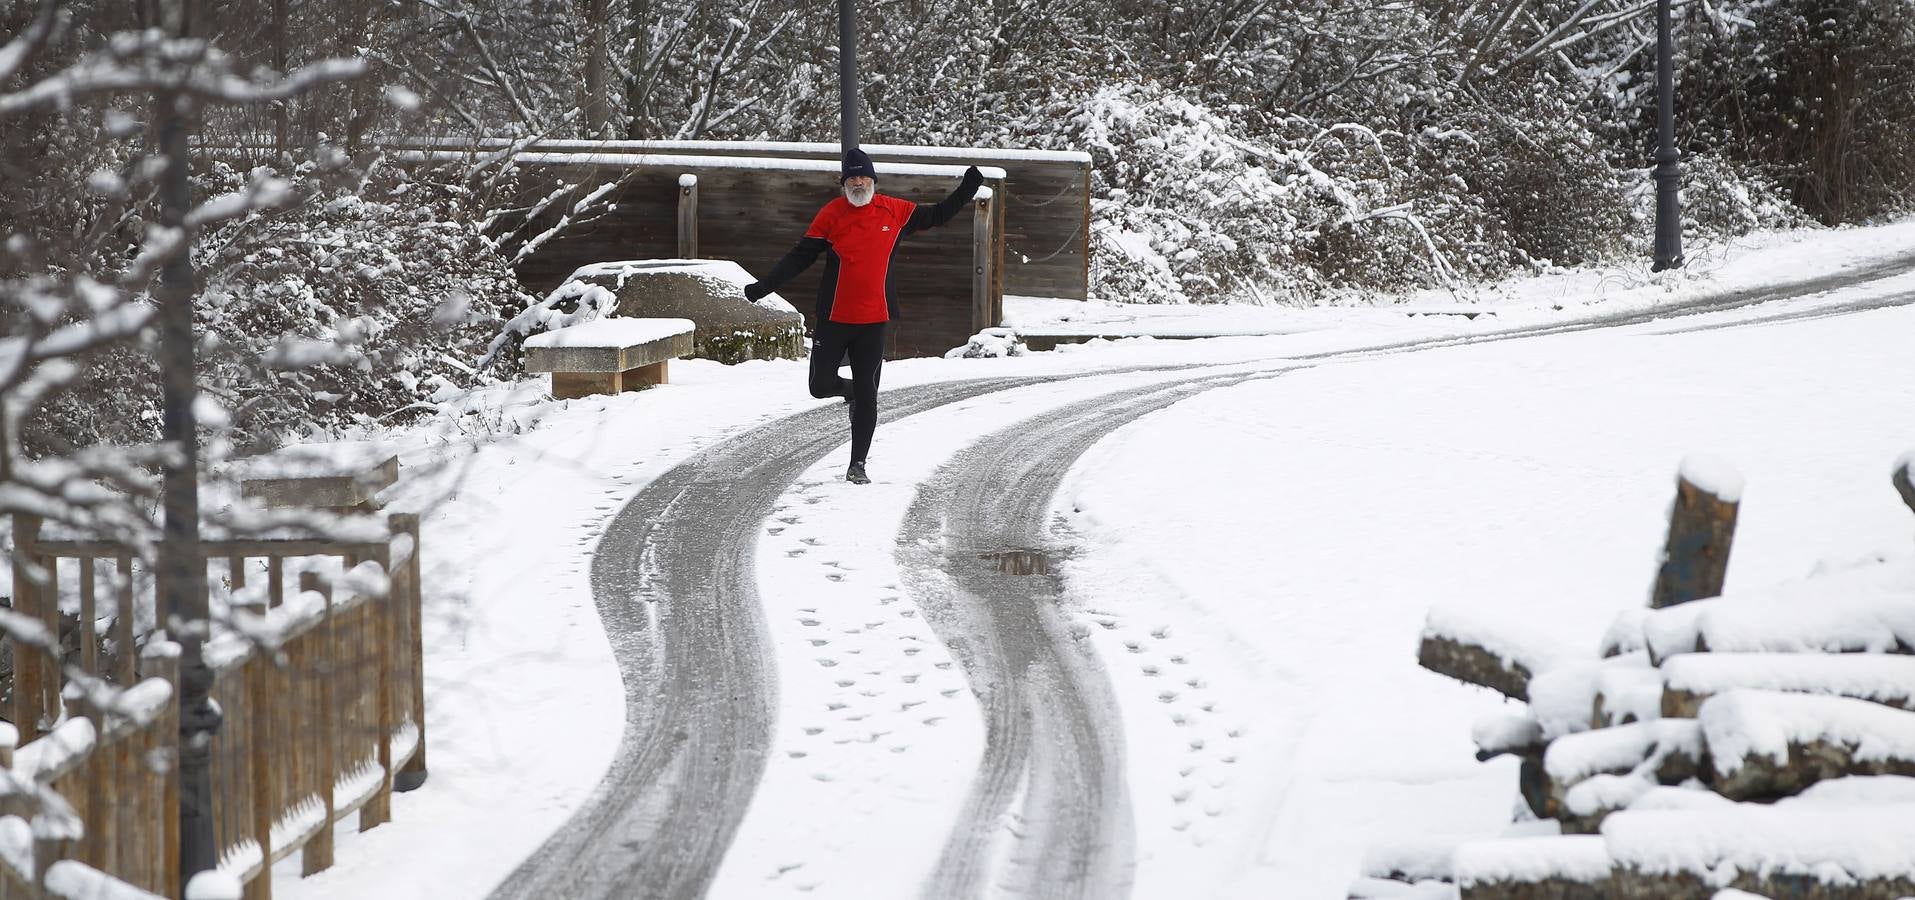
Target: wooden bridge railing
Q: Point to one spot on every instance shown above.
(322, 693)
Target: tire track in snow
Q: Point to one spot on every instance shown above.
(1048, 814)
(675, 584)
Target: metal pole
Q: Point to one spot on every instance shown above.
(1668, 174)
(182, 570)
(847, 75)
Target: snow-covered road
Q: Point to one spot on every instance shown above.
(1149, 714)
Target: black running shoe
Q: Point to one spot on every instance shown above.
(856, 475)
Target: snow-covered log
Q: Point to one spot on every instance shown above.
(1567, 867)
(1637, 757)
(1692, 678)
(1471, 647)
(1767, 744)
(1864, 609)
(1852, 853)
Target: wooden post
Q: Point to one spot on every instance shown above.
(259, 747)
(688, 216)
(275, 581)
(124, 661)
(89, 614)
(317, 855)
(162, 660)
(411, 648)
(378, 810)
(1695, 559)
(1905, 479)
(29, 663)
(981, 268)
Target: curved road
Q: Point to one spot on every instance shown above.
(674, 584)
(977, 551)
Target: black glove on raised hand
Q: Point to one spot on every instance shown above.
(973, 178)
(756, 291)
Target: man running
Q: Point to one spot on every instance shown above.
(857, 233)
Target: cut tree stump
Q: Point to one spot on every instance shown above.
(1695, 557)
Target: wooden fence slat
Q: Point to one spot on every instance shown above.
(412, 648)
(275, 581)
(27, 673)
(317, 855)
(688, 216)
(123, 612)
(89, 614)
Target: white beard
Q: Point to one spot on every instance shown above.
(859, 197)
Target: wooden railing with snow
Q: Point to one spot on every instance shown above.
(1714, 743)
(321, 690)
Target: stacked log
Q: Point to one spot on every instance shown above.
(1761, 743)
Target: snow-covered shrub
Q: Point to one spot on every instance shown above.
(353, 301)
(1722, 198)
(991, 343)
(1187, 208)
(571, 303)
(1819, 91)
(364, 298)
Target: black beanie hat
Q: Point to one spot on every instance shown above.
(856, 163)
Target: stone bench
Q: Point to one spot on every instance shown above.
(608, 356)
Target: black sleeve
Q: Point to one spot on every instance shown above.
(799, 259)
(932, 216)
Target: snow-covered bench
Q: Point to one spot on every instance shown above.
(607, 356)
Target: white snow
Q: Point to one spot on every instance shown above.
(1623, 748)
(1266, 552)
(1571, 857)
(1864, 608)
(1882, 678)
(677, 161)
(1835, 846)
(612, 332)
(1713, 475)
(1743, 723)
(70, 880)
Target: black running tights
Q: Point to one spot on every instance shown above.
(865, 345)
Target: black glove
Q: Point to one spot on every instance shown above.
(756, 291)
(973, 178)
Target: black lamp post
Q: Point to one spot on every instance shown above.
(182, 566)
(847, 76)
(1668, 174)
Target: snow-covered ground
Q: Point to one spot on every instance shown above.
(1253, 564)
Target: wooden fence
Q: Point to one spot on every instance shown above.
(322, 693)
(749, 202)
(1045, 195)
